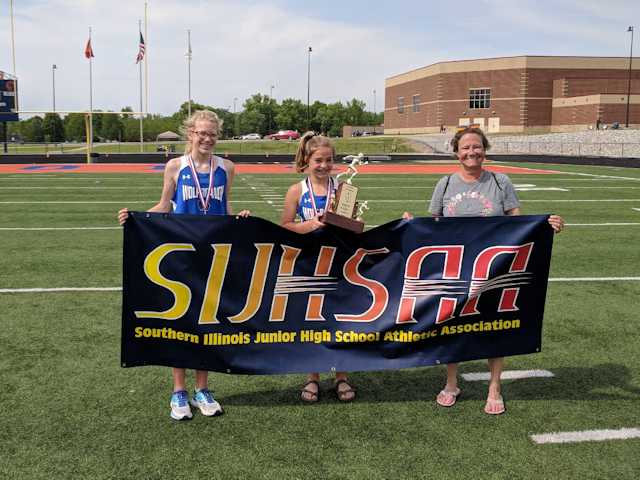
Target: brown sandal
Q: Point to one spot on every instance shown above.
(344, 395)
(313, 396)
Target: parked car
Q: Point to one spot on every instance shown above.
(251, 136)
(284, 135)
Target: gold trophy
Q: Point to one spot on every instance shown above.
(343, 211)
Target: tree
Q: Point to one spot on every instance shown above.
(74, 127)
(32, 130)
(53, 127)
(267, 108)
(354, 112)
(292, 114)
(112, 127)
(251, 121)
(330, 119)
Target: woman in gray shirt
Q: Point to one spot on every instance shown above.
(475, 192)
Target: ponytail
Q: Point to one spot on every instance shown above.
(309, 143)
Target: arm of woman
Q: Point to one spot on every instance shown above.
(289, 213)
(231, 173)
(556, 221)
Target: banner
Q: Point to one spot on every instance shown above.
(243, 295)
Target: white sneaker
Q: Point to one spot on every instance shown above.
(204, 401)
(180, 406)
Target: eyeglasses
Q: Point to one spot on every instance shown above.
(203, 135)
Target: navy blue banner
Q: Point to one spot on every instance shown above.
(243, 295)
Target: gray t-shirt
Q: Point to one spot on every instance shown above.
(489, 196)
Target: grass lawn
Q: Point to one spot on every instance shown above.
(71, 412)
(375, 144)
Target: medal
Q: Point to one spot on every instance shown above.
(330, 189)
(204, 203)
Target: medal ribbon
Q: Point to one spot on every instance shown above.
(204, 203)
(330, 189)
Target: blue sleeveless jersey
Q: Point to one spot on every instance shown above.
(305, 207)
(185, 199)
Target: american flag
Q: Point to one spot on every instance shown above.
(141, 49)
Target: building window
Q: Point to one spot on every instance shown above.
(400, 104)
(479, 98)
(416, 103)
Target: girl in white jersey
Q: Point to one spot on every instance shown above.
(307, 200)
(196, 183)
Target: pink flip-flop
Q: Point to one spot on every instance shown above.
(494, 407)
(447, 399)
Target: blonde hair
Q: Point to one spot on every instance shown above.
(309, 143)
(189, 124)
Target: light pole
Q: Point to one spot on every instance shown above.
(270, 110)
(53, 84)
(374, 102)
(189, 56)
(308, 85)
(235, 117)
(630, 29)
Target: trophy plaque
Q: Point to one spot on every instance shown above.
(342, 211)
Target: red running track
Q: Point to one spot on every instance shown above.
(248, 168)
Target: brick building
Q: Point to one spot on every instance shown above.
(514, 94)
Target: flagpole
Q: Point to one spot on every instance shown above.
(189, 69)
(140, 78)
(13, 53)
(90, 142)
(146, 63)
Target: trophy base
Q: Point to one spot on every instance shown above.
(340, 221)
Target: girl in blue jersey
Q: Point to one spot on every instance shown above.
(307, 200)
(198, 183)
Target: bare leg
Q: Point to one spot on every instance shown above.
(496, 365)
(452, 377)
(449, 394)
(495, 404)
(202, 379)
(178, 379)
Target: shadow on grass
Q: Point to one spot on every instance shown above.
(600, 382)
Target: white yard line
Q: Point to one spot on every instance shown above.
(56, 228)
(116, 289)
(60, 289)
(590, 200)
(150, 187)
(600, 224)
(280, 209)
(595, 279)
(601, 177)
(121, 202)
(587, 436)
(508, 375)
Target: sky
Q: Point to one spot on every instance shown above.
(244, 47)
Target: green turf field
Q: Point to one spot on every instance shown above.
(70, 412)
